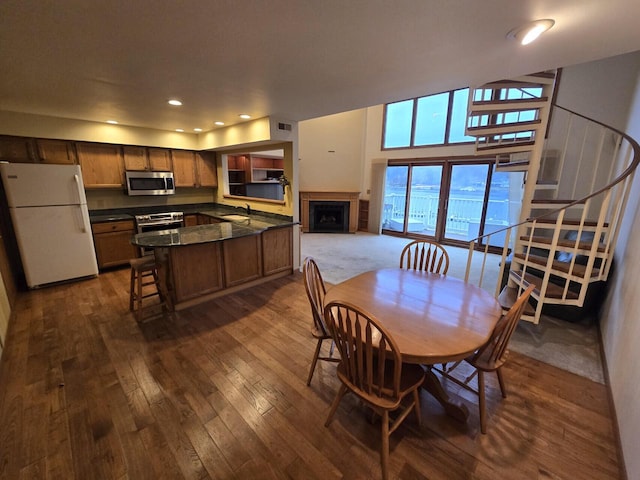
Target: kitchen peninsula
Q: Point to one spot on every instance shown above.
(232, 253)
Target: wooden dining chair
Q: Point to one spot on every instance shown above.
(316, 290)
(492, 355)
(371, 367)
(425, 255)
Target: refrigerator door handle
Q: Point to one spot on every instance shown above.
(83, 211)
(76, 177)
(85, 220)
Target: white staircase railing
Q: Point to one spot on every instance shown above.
(567, 237)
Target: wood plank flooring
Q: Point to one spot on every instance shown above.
(219, 392)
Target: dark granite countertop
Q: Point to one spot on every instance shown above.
(211, 209)
(113, 217)
(235, 223)
(193, 235)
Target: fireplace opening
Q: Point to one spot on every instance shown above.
(328, 217)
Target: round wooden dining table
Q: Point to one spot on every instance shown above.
(433, 318)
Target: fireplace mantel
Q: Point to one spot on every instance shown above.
(351, 197)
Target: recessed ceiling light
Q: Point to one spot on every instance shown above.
(174, 102)
(528, 32)
(197, 130)
(179, 130)
(112, 122)
(219, 123)
(244, 116)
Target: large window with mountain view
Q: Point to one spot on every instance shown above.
(426, 121)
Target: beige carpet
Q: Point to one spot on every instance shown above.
(570, 346)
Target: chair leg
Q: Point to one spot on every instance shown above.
(315, 360)
(334, 405)
(384, 449)
(503, 387)
(139, 299)
(416, 400)
(132, 289)
(481, 402)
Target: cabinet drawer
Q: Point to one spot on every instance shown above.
(106, 227)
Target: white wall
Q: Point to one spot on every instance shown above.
(620, 322)
(331, 152)
(26, 125)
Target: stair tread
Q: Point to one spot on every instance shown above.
(513, 162)
(562, 243)
(558, 266)
(572, 223)
(514, 127)
(498, 146)
(508, 297)
(553, 290)
(552, 201)
(513, 101)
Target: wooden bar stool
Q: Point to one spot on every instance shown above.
(144, 278)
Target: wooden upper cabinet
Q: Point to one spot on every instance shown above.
(206, 167)
(159, 159)
(102, 165)
(184, 168)
(55, 151)
(146, 159)
(15, 149)
(135, 158)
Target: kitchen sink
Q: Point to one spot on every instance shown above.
(235, 217)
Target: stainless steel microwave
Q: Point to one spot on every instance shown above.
(150, 183)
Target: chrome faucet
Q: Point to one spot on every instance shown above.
(248, 209)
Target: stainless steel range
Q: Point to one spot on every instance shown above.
(158, 221)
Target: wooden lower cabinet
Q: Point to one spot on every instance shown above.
(242, 260)
(112, 241)
(277, 250)
(193, 273)
(196, 270)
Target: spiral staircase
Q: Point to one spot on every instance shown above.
(578, 174)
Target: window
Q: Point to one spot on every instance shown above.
(451, 200)
(432, 120)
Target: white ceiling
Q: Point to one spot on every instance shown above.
(295, 59)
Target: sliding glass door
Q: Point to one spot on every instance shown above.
(451, 201)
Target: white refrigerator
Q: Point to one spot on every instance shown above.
(49, 211)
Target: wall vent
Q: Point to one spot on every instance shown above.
(284, 126)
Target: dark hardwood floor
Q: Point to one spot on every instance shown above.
(219, 392)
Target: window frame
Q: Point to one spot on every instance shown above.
(412, 136)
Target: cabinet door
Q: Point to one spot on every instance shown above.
(159, 160)
(242, 260)
(15, 149)
(277, 250)
(206, 166)
(102, 164)
(197, 270)
(112, 241)
(184, 168)
(55, 151)
(135, 158)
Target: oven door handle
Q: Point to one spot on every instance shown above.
(155, 224)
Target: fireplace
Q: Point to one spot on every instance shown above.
(343, 220)
(328, 217)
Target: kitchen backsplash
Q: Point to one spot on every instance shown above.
(104, 199)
